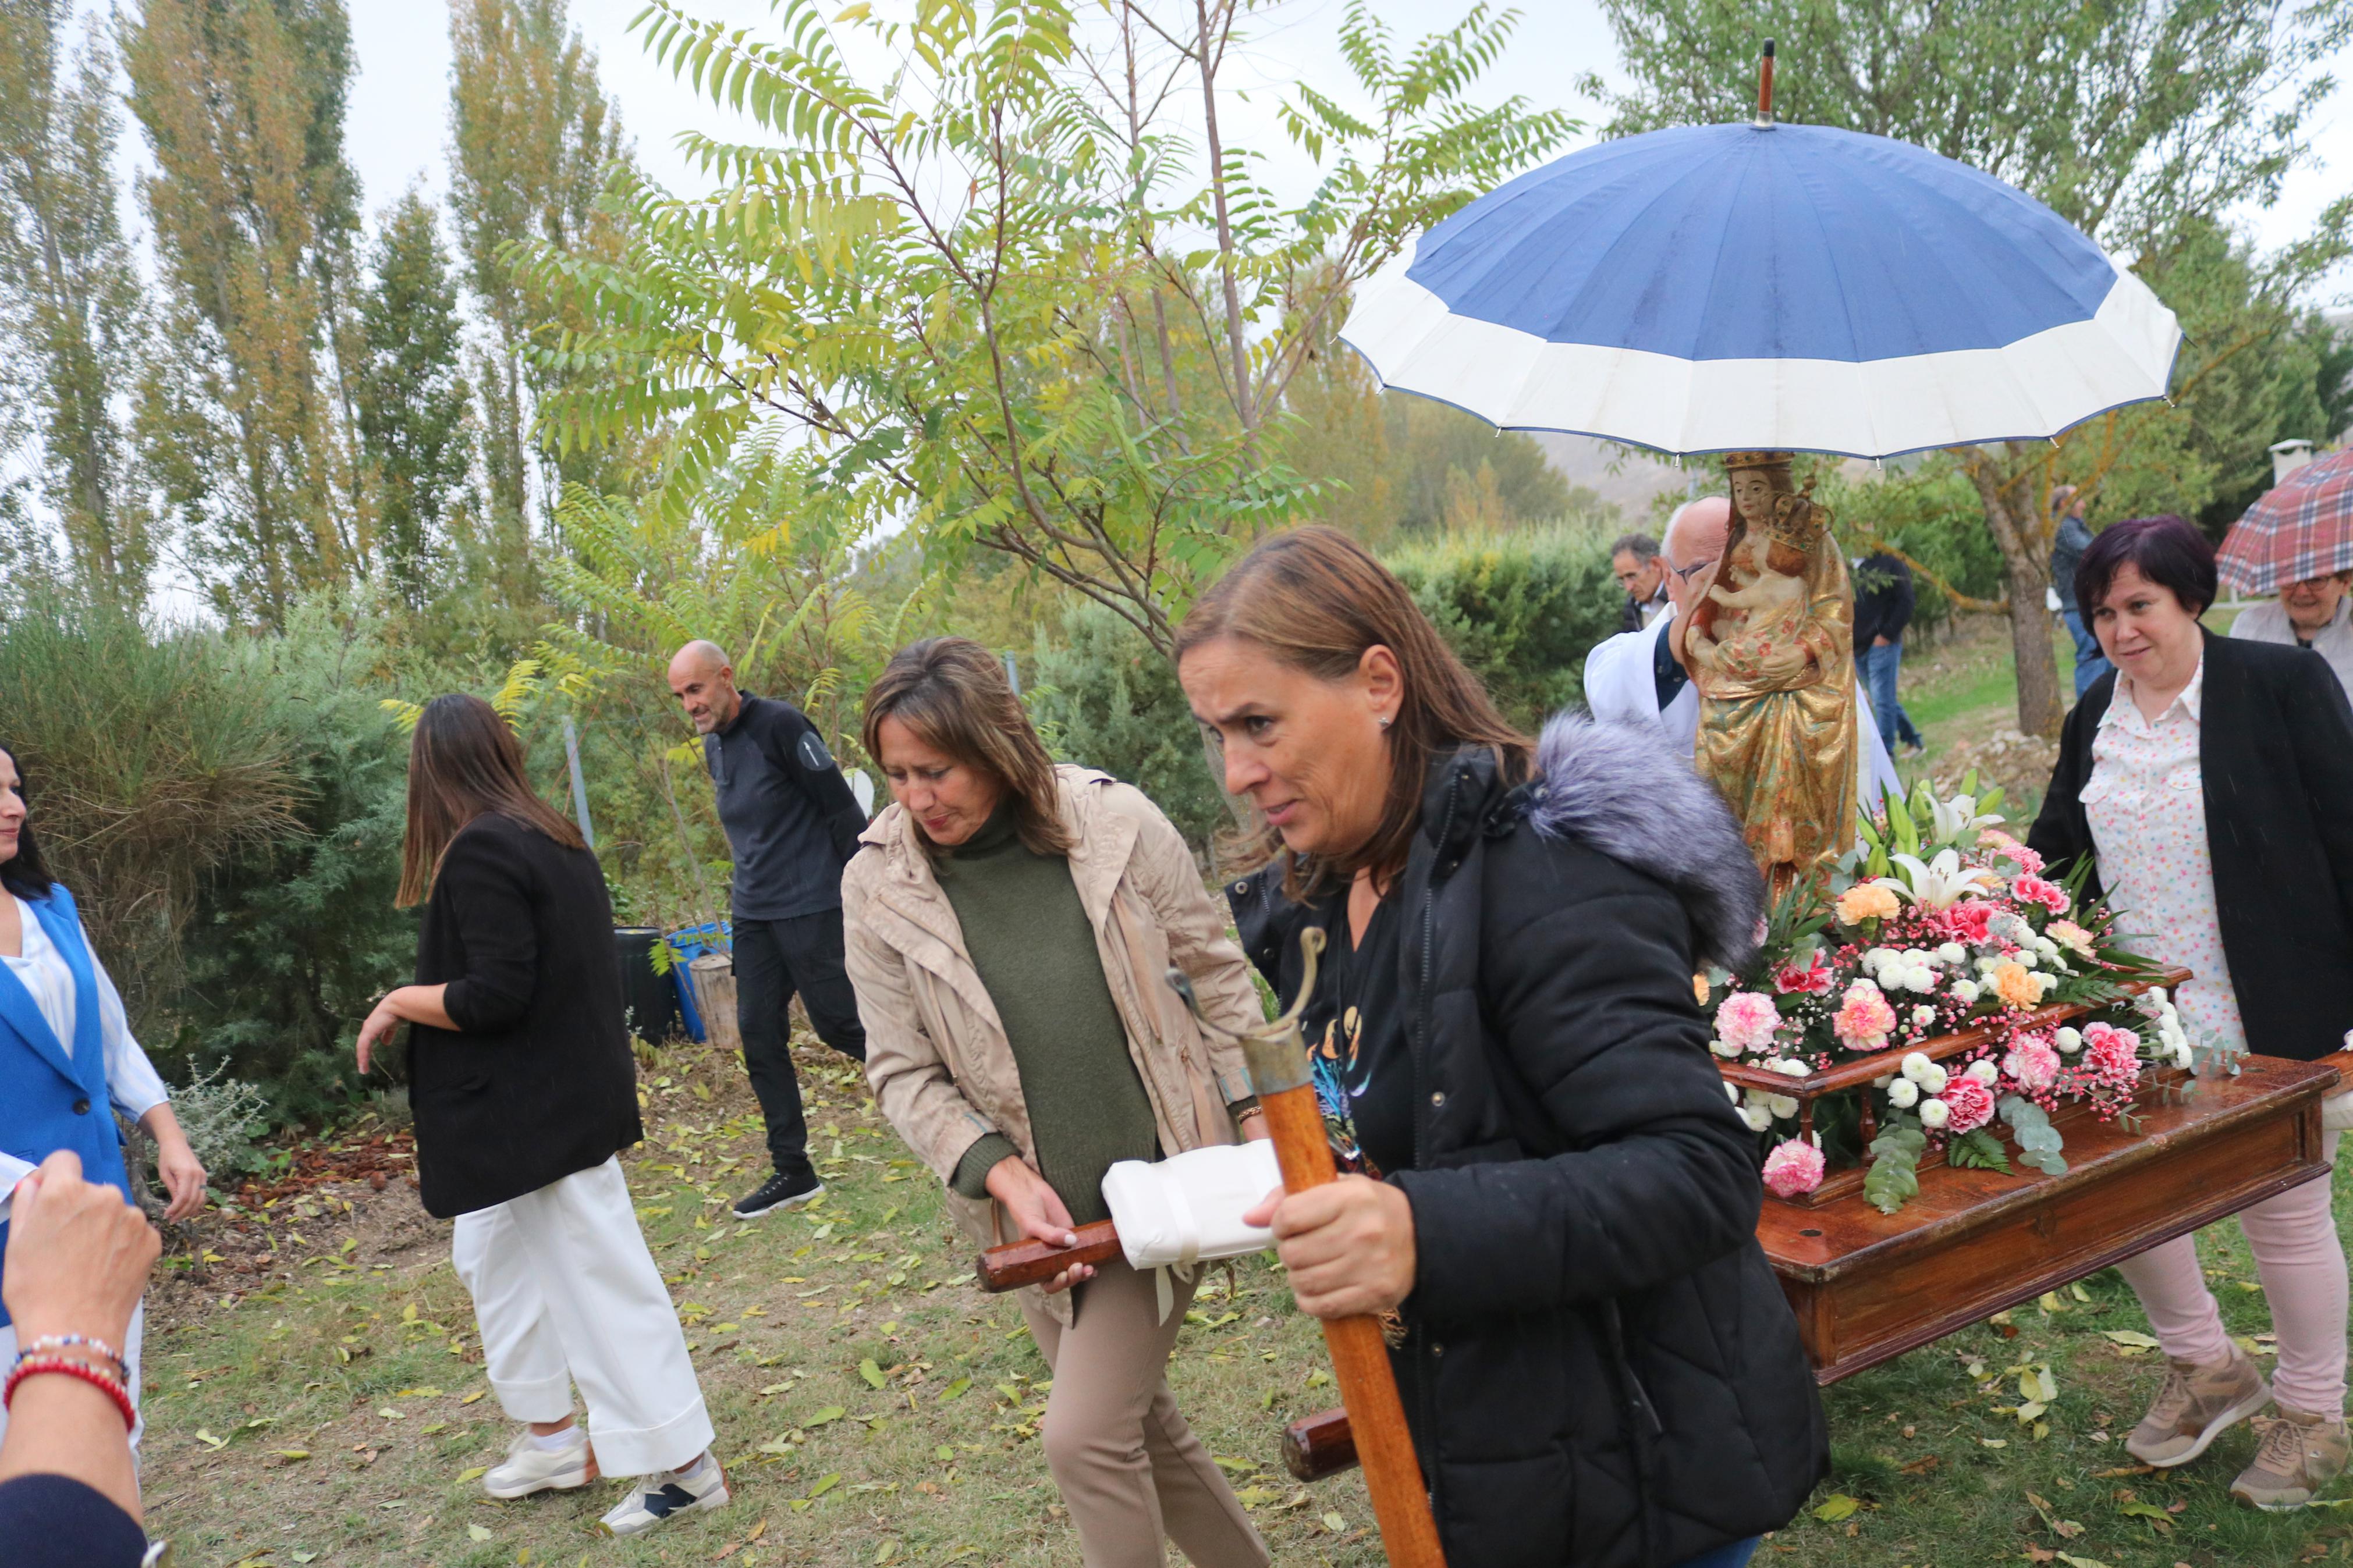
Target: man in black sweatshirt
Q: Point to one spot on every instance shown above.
(792, 825)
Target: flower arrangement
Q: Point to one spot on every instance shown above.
(1940, 924)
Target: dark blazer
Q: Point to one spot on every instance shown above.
(537, 1082)
(2275, 754)
(1600, 1369)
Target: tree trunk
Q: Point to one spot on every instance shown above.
(2009, 485)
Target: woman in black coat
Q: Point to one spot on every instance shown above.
(1555, 1195)
(2210, 782)
(525, 1093)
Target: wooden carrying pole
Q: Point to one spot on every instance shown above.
(1276, 1057)
(1765, 87)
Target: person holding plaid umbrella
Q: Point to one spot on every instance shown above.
(2297, 542)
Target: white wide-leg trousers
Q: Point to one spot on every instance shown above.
(565, 1293)
(130, 1348)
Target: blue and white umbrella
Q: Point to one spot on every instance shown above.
(1729, 287)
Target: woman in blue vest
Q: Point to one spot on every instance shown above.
(66, 1050)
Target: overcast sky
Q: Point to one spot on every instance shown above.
(399, 104)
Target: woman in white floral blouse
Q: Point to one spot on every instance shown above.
(2212, 782)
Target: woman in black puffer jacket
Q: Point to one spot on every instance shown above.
(1556, 1199)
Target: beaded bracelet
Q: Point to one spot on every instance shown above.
(87, 1341)
(105, 1383)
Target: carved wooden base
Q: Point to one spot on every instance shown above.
(1868, 1286)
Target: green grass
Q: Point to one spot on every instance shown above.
(365, 1363)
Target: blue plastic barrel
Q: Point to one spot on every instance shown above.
(690, 942)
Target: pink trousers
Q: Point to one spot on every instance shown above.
(2294, 1237)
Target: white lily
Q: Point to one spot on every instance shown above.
(1940, 883)
(1958, 818)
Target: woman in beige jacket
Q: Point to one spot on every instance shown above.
(1009, 924)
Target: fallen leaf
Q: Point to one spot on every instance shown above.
(2074, 1561)
(874, 1376)
(2121, 1471)
(1994, 1442)
(209, 1441)
(476, 1473)
(824, 1485)
(2158, 1520)
(1336, 1524)
(290, 1455)
(830, 1413)
(756, 1532)
(955, 1390)
(1836, 1507)
(476, 1532)
(473, 1397)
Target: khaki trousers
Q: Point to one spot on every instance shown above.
(1129, 1468)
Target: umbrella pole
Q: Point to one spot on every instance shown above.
(1765, 88)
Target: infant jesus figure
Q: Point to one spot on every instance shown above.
(1764, 598)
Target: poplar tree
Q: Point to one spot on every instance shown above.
(70, 297)
(246, 414)
(415, 432)
(533, 138)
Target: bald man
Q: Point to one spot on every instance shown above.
(792, 825)
(1638, 677)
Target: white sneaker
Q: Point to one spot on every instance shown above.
(665, 1497)
(530, 1467)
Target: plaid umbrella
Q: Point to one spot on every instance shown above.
(2301, 528)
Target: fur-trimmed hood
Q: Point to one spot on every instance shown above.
(1620, 790)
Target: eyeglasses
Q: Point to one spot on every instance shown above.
(1687, 573)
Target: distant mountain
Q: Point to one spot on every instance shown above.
(1626, 478)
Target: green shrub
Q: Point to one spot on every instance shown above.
(1931, 513)
(1521, 609)
(1103, 697)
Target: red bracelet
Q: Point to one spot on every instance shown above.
(95, 1376)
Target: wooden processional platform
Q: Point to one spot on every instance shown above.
(1867, 1287)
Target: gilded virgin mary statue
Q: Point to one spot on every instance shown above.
(1771, 649)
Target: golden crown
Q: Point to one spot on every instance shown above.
(1796, 522)
(1757, 459)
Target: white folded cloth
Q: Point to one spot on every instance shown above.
(1188, 1209)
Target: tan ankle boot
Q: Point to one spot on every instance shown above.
(2197, 1405)
(2301, 1454)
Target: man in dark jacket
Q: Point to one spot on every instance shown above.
(1883, 609)
(1642, 571)
(792, 824)
(2067, 547)
(1584, 1385)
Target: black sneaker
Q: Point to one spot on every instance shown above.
(779, 1192)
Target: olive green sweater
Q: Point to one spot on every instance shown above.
(1030, 938)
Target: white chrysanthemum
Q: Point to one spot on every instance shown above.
(1883, 1079)
(1916, 1066)
(1783, 1106)
(2181, 1053)
(1877, 956)
(1923, 1015)
(1788, 1068)
(2027, 956)
(1985, 1072)
(1758, 1097)
(1934, 1113)
(1966, 992)
(2069, 1041)
(1720, 1049)
(1732, 1093)
(1953, 952)
(1987, 964)
(2047, 982)
(1902, 1094)
(1934, 1079)
(1757, 1118)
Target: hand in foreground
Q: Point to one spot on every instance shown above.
(1348, 1244)
(1039, 1210)
(78, 1255)
(1254, 1128)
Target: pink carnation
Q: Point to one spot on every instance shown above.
(2031, 1063)
(2111, 1052)
(1814, 980)
(2032, 889)
(1793, 1169)
(2010, 849)
(1746, 1021)
(1864, 1019)
(1966, 919)
(1970, 1102)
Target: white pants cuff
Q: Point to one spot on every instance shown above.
(566, 1294)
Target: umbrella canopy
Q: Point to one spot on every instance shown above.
(1725, 287)
(2302, 527)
